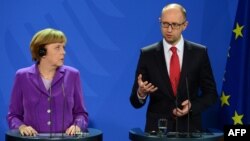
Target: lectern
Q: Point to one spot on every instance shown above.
(136, 134)
(91, 135)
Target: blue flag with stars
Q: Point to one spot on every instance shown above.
(235, 97)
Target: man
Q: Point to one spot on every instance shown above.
(171, 74)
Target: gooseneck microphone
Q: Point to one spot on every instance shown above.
(176, 118)
(188, 118)
(50, 112)
(63, 92)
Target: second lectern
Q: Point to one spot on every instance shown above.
(136, 134)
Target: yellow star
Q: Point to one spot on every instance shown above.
(237, 118)
(224, 99)
(238, 31)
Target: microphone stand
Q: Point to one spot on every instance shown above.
(176, 120)
(50, 118)
(63, 109)
(188, 126)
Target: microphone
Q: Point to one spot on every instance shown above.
(63, 109)
(78, 133)
(188, 120)
(176, 118)
(50, 118)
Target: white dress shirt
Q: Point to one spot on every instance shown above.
(168, 52)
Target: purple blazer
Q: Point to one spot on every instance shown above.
(47, 111)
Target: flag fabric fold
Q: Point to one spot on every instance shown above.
(235, 96)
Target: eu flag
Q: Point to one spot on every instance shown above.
(235, 97)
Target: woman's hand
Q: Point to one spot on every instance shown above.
(27, 130)
(72, 130)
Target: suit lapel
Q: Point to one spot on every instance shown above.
(37, 80)
(59, 75)
(160, 59)
(185, 62)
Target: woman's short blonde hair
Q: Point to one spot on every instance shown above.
(44, 37)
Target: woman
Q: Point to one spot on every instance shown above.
(47, 96)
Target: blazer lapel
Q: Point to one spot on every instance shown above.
(159, 55)
(59, 74)
(36, 79)
(184, 69)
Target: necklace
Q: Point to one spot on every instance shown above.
(48, 77)
(49, 72)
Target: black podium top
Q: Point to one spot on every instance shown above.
(136, 134)
(91, 135)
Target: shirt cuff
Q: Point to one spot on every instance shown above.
(140, 97)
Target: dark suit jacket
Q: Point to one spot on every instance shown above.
(196, 74)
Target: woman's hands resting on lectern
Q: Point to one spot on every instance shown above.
(29, 131)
